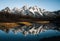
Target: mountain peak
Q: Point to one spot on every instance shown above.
(25, 10)
(25, 7)
(7, 9)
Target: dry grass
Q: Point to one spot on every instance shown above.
(12, 25)
(9, 25)
(26, 23)
(43, 22)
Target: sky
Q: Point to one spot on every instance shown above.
(49, 5)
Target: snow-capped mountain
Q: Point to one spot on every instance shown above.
(7, 9)
(25, 10)
(35, 9)
(15, 10)
(31, 11)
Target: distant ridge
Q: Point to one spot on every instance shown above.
(30, 13)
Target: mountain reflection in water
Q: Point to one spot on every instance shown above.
(33, 32)
(33, 29)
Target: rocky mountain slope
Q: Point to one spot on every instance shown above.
(28, 12)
